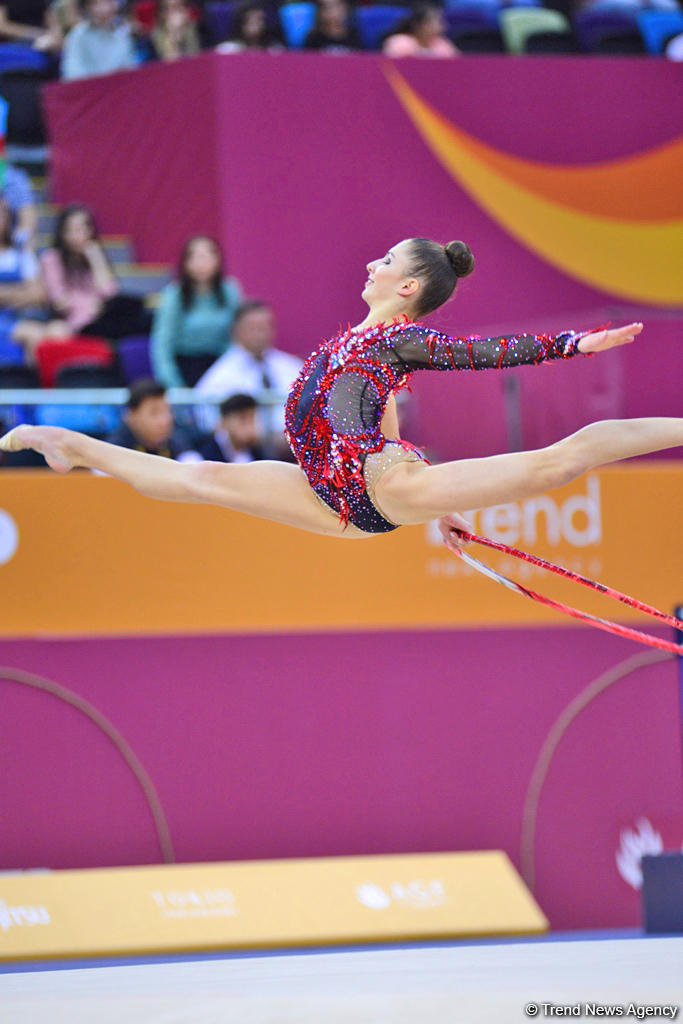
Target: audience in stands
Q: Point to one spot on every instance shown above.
(237, 436)
(175, 33)
(101, 43)
(148, 425)
(19, 284)
(80, 288)
(422, 34)
(252, 365)
(192, 324)
(252, 30)
(333, 31)
(16, 191)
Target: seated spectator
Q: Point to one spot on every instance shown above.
(192, 324)
(18, 194)
(175, 33)
(99, 44)
(333, 31)
(252, 365)
(149, 426)
(251, 31)
(422, 34)
(81, 288)
(19, 278)
(237, 437)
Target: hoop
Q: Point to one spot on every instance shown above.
(592, 620)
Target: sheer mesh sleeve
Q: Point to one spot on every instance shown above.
(419, 348)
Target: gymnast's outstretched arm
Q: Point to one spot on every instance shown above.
(419, 348)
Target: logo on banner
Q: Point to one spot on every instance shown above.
(185, 903)
(635, 843)
(417, 894)
(577, 520)
(9, 537)
(22, 915)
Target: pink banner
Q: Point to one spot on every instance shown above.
(331, 744)
(306, 167)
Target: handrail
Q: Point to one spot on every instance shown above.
(118, 396)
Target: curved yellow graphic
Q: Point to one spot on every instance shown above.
(583, 220)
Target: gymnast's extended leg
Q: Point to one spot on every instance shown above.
(278, 491)
(411, 493)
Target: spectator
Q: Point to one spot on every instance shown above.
(175, 33)
(422, 34)
(333, 30)
(192, 324)
(81, 287)
(19, 281)
(237, 437)
(100, 44)
(18, 194)
(149, 426)
(251, 31)
(252, 365)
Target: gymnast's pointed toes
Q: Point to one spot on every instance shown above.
(11, 442)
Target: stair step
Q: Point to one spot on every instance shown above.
(117, 247)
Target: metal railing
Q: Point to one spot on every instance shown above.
(117, 396)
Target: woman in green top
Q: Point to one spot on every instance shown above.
(192, 324)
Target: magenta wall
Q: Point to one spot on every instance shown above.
(307, 167)
(286, 746)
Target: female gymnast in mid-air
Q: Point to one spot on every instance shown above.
(355, 477)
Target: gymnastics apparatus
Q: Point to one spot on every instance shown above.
(355, 477)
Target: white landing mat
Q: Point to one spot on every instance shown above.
(486, 984)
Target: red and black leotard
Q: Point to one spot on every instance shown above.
(335, 407)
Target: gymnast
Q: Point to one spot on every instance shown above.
(355, 477)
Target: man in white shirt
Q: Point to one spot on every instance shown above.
(251, 365)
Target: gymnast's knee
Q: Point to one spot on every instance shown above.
(563, 461)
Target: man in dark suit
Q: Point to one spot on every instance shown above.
(149, 426)
(237, 437)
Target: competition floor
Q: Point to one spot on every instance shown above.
(440, 983)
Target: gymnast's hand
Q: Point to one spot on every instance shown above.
(599, 341)
(449, 526)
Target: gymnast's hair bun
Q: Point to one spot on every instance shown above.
(460, 258)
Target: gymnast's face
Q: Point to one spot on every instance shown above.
(389, 281)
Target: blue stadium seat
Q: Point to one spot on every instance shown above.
(98, 420)
(15, 57)
(375, 22)
(658, 27)
(297, 20)
(11, 354)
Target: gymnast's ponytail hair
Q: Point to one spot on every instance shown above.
(438, 268)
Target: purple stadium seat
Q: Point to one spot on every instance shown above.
(220, 18)
(471, 17)
(592, 26)
(134, 357)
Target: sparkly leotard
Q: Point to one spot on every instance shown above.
(335, 407)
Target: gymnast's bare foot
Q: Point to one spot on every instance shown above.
(53, 443)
